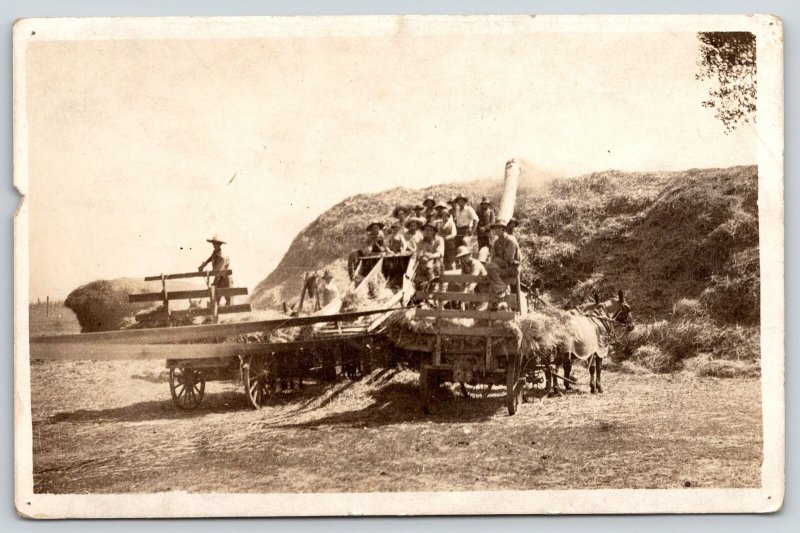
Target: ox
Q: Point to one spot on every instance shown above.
(592, 329)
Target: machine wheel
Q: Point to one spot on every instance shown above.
(513, 387)
(187, 386)
(256, 381)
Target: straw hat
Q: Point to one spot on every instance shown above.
(379, 224)
(463, 251)
(460, 196)
(396, 224)
(216, 238)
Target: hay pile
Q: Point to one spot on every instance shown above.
(376, 294)
(103, 305)
(542, 331)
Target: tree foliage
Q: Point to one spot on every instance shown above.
(729, 58)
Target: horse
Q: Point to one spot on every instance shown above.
(592, 329)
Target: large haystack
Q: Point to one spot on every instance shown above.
(102, 305)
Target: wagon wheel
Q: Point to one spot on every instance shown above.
(513, 386)
(256, 380)
(187, 386)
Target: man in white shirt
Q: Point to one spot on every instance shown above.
(466, 219)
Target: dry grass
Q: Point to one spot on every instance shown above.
(100, 431)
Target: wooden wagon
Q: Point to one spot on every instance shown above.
(240, 351)
(483, 351)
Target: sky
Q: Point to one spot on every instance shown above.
(140, 149)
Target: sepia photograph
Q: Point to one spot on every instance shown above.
(281, 266)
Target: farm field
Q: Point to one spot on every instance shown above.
(110, 427)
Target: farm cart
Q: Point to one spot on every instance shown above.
(481, 352)
(242, 351)
(200, 353)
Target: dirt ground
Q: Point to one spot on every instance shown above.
(110, 427)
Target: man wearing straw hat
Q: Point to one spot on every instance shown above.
(471, 266)
(219, 261)
(485, 220)
(504, 265)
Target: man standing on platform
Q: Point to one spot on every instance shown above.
(485, 220)
(219, 261)
(466, 220)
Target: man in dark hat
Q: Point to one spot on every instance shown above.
(419, 212)
(485, 220)
(512, 224)
(429, 203)
(465, 218)
(503, 268)
(219, 261)
(374, 244)
(430, 253)
(401, 213)
(328, 290)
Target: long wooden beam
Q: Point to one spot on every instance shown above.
(463, 278)
(180, 334)
(457, 313)
(139, 352)
(195, 274)
(183, 295)
(510, 299)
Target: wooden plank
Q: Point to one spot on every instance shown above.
(476, 331)
(386, 255)
(457, 313)
(207, 311)
(118, 352)
(364, 285)
(510, 299)
(193, 333)
(195, 274)
(463, 278)
(185, 295)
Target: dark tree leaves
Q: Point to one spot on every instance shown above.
(729, 58)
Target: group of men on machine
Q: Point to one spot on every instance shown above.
(440, 235)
